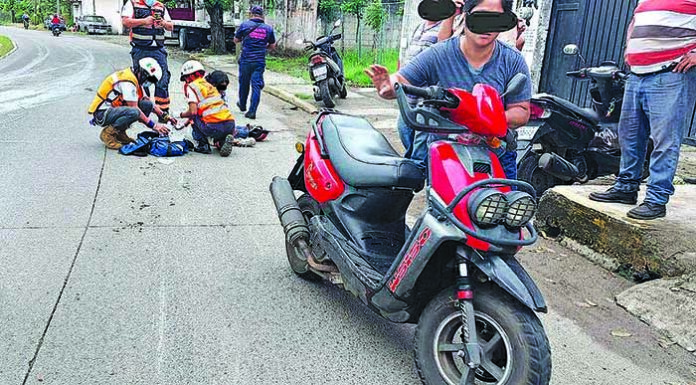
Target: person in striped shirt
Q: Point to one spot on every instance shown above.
(659, 98)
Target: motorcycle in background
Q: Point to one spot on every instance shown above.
(326, 68)
(56, 30)
(564, 143)
(455, 274)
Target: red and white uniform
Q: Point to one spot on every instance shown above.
(663, 32)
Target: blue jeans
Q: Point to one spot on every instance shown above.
(251, 74)
(407, 135)
(162, 87)
(657, 106)
(422, 141)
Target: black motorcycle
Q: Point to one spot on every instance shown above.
(326, 68)
(26, 23)
(56, 30)
(565, 143)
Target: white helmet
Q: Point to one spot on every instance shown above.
(191, 67)
(151, 68)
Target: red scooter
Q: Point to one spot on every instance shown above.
(455, 273)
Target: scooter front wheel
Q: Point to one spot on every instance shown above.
(514, 346)
(298, 263)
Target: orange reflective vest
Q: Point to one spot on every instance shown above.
(211, 107)
(144, 36)
(107, 93)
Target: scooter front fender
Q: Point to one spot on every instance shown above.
(507, 273)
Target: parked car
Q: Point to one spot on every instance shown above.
(47, 23)
(93, 24)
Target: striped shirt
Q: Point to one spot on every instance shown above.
(423, 37)
(663, 32)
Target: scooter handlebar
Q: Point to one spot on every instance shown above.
(418, 91)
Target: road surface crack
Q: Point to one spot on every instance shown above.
(70, 270)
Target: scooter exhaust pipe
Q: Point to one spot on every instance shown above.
(556, 166)
(289, 212)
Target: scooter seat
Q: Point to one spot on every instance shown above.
(586, 113)
(363, 157)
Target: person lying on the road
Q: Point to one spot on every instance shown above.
(210, 115)
(220, 81)
(121, 101)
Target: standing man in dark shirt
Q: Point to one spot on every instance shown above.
(256, 37)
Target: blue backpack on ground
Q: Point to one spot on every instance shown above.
(151, 143)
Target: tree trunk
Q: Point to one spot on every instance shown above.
(217, 30)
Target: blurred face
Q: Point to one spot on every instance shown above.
(486, 39)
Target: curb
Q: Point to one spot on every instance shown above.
(611, 240)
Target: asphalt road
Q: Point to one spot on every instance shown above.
(120, 270)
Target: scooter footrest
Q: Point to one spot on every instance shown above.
(326, 237)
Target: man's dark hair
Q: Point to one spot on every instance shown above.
(471, 4)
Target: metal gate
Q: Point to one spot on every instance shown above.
(598, 28)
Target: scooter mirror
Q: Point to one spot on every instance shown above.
(571, 49)
(337, 23)
(515, 84)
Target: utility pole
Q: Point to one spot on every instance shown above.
(94, 7)
(58, 7)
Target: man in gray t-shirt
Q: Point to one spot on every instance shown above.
(463, 62)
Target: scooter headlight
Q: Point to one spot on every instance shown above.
(488, 207)
(520, 209)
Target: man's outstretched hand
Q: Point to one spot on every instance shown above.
(382, 81)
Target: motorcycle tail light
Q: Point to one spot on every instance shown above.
(521, 208)
(317, 60)
(538, 112)
(489, 207)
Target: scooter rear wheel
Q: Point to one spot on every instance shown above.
(528, 171)
(515, 349)
(298, 263)
(325, 92)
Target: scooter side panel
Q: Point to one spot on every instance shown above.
(321, 179)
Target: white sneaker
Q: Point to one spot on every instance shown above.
(245, 142)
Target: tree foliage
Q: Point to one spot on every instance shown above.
(36, 9)
(328, 12)
(375, 17)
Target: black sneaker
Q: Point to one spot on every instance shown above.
(647, 211)
(249, 115)
(226, 147)
(243, 109)
(613, 196)
(203, 148)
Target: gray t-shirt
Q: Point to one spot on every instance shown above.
(444, 65)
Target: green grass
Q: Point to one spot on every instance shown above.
(5, 45)
(297, 65)
(293, 66)
(303, 96)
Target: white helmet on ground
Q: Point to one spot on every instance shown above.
(150, 68)
(191, 67)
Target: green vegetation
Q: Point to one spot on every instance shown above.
(353, 63)
(5, 45)
(303, 96)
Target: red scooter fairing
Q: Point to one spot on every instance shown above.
(322, 181)
(449, 176)
(481, 111)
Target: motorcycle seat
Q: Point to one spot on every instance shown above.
(363, 157)
(585, 113)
